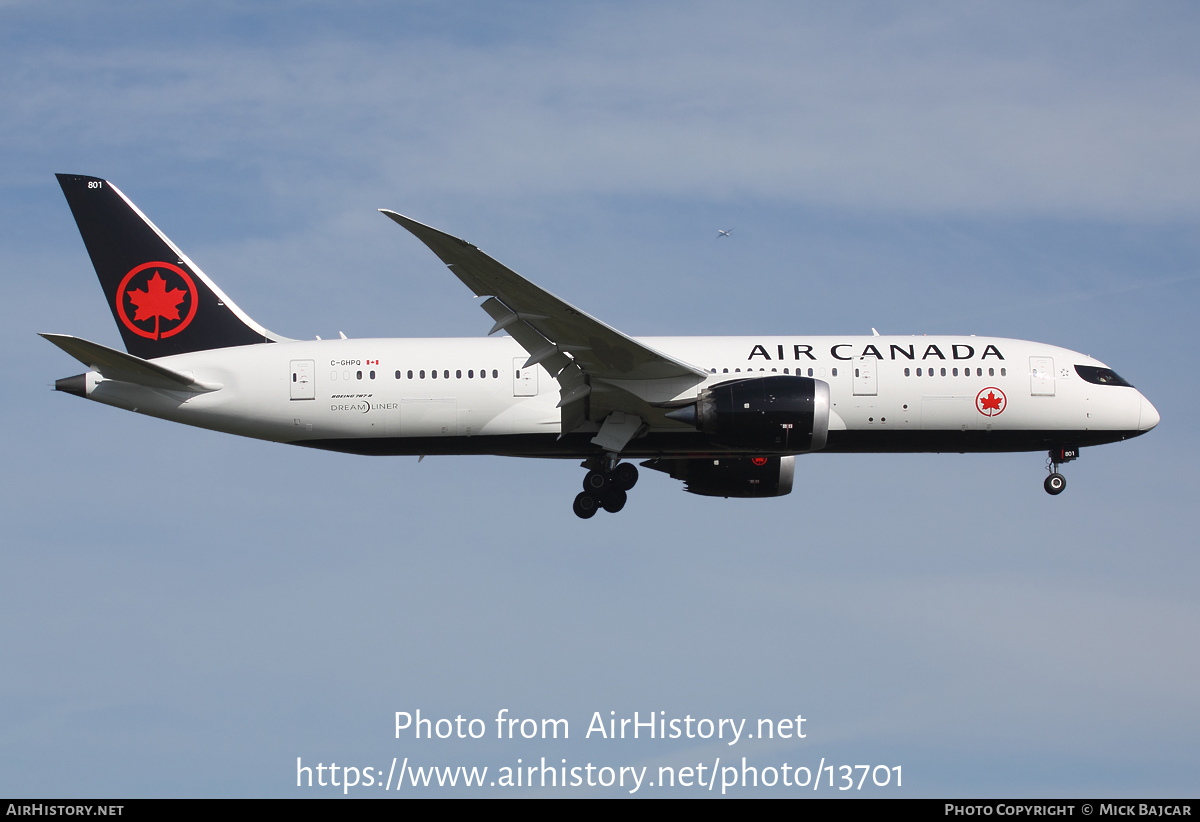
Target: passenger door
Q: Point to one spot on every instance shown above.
(525, 380)
(303, 379)
(865, 381)
(1041, 376)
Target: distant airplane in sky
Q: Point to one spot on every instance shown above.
(726, 415)
(723, 233)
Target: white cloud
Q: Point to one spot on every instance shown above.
(992, 110)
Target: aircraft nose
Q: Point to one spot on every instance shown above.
(1149, 416)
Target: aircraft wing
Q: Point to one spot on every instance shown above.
(575, 347)
(599, 349)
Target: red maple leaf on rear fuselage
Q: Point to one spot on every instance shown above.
(157, 302)
(990, 403)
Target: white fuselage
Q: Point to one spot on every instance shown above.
(451, 391)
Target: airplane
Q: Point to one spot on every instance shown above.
(723, 233)
(726, 415)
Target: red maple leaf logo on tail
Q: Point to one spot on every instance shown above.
(154, 301)
(157, 302)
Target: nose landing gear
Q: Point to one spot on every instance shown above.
(605, 486)
(1056, 483)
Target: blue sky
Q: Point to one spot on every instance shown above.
(185, 612)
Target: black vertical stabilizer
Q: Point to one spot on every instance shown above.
(162, 302)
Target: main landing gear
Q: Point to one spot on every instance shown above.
(1056, 483)
(605, 486)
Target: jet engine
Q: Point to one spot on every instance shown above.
(774, 414)
(737, 477)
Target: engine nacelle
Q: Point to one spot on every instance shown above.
(738, 477)
(777, 413)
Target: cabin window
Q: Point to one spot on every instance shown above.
(470, 375)
(433, 374)
(737, 370)
(856, 372)
(714, 370)
(834, 371)
(357, 374)
(810, 372)
(955, 371)
(458, 375)
(978, 372)
(943, 372)
(495, 374)
(724, 370)
(1003, 372)
(918, 372)
(410, 375)
(397, 375)
(906, 373)
(784, 371)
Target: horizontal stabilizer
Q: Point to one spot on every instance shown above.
(117, 365)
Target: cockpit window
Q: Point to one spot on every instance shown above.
(1100, 376)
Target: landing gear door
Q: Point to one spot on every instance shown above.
(865, 377)
(1041, 376)
(303, 379)
(525, 380)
